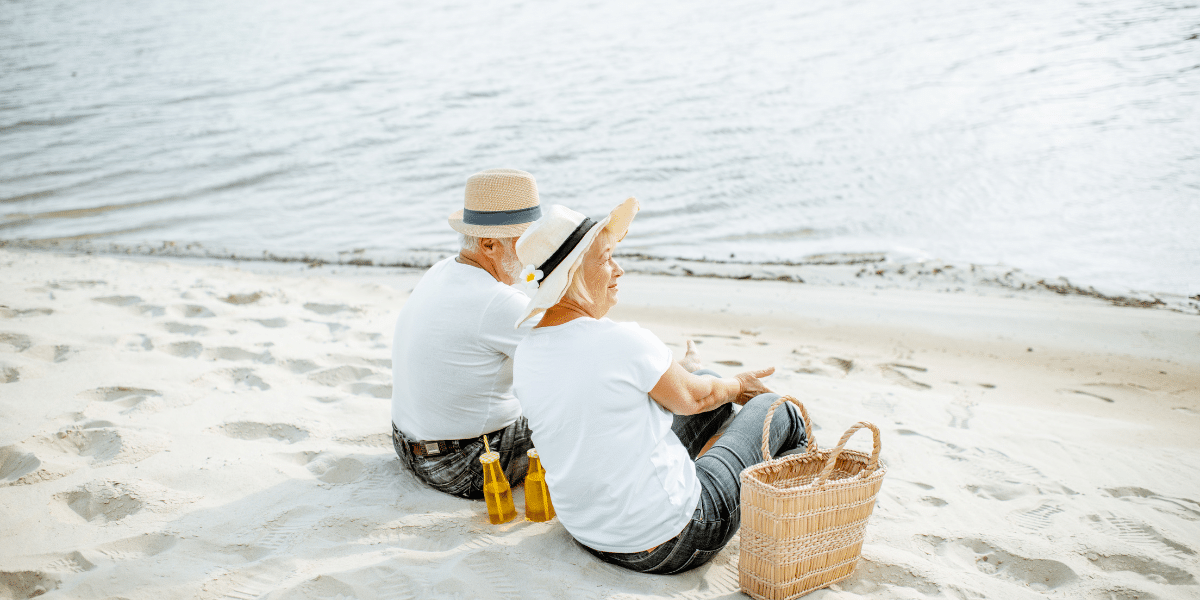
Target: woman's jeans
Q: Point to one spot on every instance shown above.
(718, 515)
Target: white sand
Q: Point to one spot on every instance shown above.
(177, 430)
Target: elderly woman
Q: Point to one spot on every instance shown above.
(626, 475)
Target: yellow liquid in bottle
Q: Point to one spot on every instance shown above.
(537, 499)
(499, 503)
(538, 507)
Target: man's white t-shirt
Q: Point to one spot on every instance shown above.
(452, 354)
(619, 478)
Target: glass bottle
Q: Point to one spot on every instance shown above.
(496, 492)
(538, 507)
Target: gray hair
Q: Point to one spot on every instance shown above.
(511, 264)
(469, 243)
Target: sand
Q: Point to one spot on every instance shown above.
(194, 430)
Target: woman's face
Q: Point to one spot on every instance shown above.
(600, 273)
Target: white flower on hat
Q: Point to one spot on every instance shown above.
(529, 279)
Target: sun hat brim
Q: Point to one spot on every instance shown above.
(486, 231)
(554, 285)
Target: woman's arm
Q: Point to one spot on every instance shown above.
(685, 394)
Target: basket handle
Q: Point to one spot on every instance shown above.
(872, 464)
(766, 436)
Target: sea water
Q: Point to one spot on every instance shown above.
(1061, 138)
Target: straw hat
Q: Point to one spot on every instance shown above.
(500, 203)
(552, 248)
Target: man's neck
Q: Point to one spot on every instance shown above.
(480, 261)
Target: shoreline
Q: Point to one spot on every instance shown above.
(874, 270)
(184, 428)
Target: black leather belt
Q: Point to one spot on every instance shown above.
(438, 447)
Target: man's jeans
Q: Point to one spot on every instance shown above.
(459, 473)
(718, 514)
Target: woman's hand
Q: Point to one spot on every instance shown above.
(691, 361)
(751, 384)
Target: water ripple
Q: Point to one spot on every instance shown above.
(1060, 139)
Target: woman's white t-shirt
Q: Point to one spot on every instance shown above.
(619, 478)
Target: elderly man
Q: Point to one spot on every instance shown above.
(454, 342)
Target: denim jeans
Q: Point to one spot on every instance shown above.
(459, 473)
(718, 515)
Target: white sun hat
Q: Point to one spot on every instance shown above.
(552, 248)
(499, 203)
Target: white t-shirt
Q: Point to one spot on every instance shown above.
(452, 354)
(619, 478)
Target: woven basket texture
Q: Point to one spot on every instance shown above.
(804, 516)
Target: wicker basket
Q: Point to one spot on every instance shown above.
(804, 515)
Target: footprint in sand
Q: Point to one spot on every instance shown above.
(1040, 574)
(184, 328)
(127, 397)
(135, 342)
(7, 312)
(239, 299)
(1137, 533)
(961, 413)
(18, 467)
(414, 538)
(134, 303)
(337, 470)
(872, 576)
(75, 284)
(899, 374)
(254, 582)
(281, 532)
(108, 500)
(323, 586)
(239, 378)
(358, 380)
(235, 354)
(329, 309)
(250, 430)
(74, 562)
(247, 377)
(138, 547)
(1156, 571)
(1183, 508)
(27, 584)
(108, 444)
(275, 323)
(119, 300)
(193, 311)
(184, 349)
(15, 465)
(300, 366)
(14, 342)
(1037, 519)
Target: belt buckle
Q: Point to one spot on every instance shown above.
(432, 448)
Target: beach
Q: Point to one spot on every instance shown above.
(186, 428)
